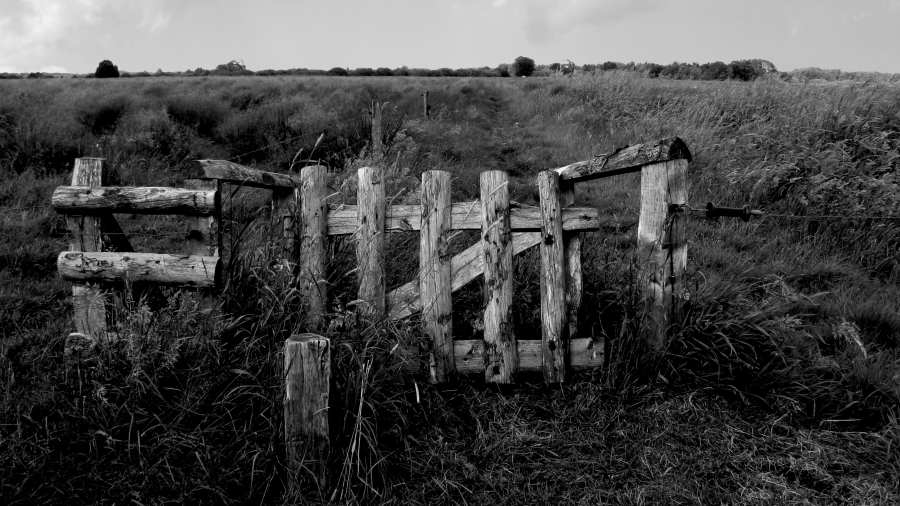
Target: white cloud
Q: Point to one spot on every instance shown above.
(550, 19)
(795, 26)
(54, 69)
(30, 28)
(861, 16)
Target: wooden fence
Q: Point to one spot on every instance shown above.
(100, 252)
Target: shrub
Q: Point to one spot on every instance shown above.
(383, 71)
(338, 71)
(106, 69)
(101, 116)
(201, 113)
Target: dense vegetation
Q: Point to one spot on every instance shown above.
(780, 386)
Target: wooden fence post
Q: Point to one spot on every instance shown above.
(203, 238)
(425, 105)
(370, 243)
(88, 301)
(307, 379)
(284, 207)
(661, 248)
(434, 273)
(554, 328)
(501, 357)
(377, 147)
(313, 234)
(574, 283)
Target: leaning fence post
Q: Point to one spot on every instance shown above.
(307, 379)
(501, 356)
(312, 244)
(88, 300)
(554, 328)
(661, 248)
(370, 243)
(434, 273)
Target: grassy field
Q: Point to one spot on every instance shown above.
(780, 384)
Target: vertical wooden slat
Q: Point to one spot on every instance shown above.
(283, 209)
(370, 243)
(425, 105)
(661, 248)
(501, 359)
(574, 283)
(88, 300)
(434, 273)
(313, 234)
(554, 311)
(203, 231)
(307, 373)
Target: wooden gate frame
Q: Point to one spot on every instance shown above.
(507, 229)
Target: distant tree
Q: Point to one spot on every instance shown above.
(587, 67)
(715, 71)
(383, 71)
(106, 69)
(654, 69)
(503, 70)
(524, 66)
(364, 71)
(338, 71)
(742, 69)
(402, 71)
(610, 65)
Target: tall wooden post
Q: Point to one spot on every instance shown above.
(377, 147)
(661, 248)
(501, 358)
(88, 300)
(370, 243)
(425, 105)
(312, 244)
(307, 380)
(554, 328)
(434, 273)
(574, 283)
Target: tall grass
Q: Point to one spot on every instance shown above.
(787, 345)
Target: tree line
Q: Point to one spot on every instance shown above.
(742, 70)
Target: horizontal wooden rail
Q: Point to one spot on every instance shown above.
(84, 200)
(625, 160)
(464, 216)
(234, 173)
(584, 353)
(464, 267)
(170, 270)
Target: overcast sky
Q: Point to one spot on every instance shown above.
(75, 35)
